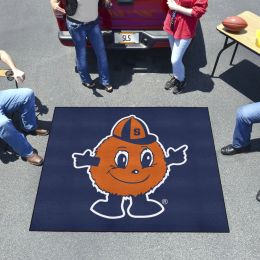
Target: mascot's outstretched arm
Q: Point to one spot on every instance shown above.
(176, 156)
(85, 159)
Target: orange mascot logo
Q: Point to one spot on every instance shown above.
(129, 164)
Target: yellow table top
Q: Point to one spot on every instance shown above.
(246, 37)
(2, 72)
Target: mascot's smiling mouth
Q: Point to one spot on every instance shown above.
(128, 182)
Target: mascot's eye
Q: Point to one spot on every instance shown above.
(146, 158)
(121, 159)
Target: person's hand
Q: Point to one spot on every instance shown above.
(57, 9)
(172, 5)
(108, 3)
(18, 75)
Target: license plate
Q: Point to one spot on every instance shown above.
(126, 37)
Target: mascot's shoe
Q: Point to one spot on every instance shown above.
(34, 159)
(258, 196)
(111, 208)
(143, 207)
(230, 150)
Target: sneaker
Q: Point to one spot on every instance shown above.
(34, 159)
(178, 86)
(89, 85)
(108, 88)
(170, 84)
(40, 132)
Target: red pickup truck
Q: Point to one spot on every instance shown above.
(133, 24)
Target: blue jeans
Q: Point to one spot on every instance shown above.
(17, 102)
(246, 116)
(179, 47)
(80, 33)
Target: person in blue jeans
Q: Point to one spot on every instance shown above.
(246, 116)
(83, 25)
(19, 103)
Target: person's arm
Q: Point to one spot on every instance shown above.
(18, 75)
(198, 9)
(180, 9)
(55, 5)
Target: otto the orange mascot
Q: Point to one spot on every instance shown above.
(129, 164)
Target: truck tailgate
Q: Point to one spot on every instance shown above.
(134, 15)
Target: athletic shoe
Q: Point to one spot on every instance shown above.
(34, 159)
(40, 132)
(170, 84)
(108, 88)
(178, 86)
(89, 85)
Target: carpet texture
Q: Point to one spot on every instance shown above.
(130, 170)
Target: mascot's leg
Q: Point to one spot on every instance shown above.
(111, 208)
(143, 207)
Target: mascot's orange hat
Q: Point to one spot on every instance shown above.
(132, 129)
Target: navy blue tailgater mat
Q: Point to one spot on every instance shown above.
(130, 170)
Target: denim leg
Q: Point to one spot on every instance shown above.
(14, 138)
(246, 116)
(171, 40)
(96, 38)
(179, 47)
(78, 34)
(21, 102)
(27, 112)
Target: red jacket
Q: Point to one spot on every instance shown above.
(185, 26)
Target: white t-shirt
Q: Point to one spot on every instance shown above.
(87, 11)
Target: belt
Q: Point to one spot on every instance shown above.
(79, 22)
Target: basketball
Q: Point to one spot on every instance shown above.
(234, 23)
